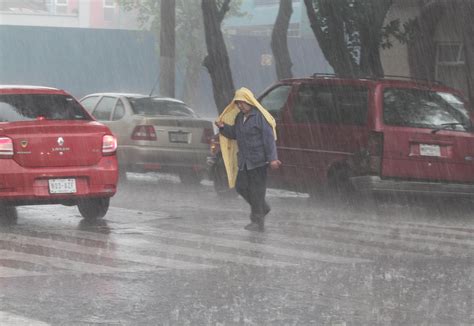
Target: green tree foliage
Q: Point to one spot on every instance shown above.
(352, 32)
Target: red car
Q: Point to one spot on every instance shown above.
(368, 135)
(53, 152)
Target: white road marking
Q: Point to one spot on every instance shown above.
(13, 272)
(62, 263)
(104, 253)
(9, 319)
(247, 245)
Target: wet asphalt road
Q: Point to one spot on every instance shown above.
(171, 254)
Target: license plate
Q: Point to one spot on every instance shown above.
(62, 186)
(430, 150)
(179, 137)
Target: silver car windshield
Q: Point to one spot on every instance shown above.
(157, 107)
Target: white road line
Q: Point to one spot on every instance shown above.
(131, 245)
(436, 228)
(13, 272)
(390, 230)
(9, 319)
(386, 239)
(105, 253)
(247, 245)
(62, 263)
(329, 244)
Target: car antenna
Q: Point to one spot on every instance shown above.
(154, 86)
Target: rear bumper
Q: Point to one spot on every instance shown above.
(30, 185)
(374, 184)
(159, 159)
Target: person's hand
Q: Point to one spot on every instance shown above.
(275, 164)
(219, 124)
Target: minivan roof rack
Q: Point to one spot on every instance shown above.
(318, 74)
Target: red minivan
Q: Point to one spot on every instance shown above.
(375, 135)
(53, 152)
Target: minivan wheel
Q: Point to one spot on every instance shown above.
(340, 186)
(8, 214)
(93, 208)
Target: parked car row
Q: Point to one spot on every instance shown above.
(154, 133)
(367, 135)
(53, 151)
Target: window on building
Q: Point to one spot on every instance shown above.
(451, 65)
(61, 7)
(109, 10)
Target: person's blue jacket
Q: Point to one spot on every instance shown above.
(255, 140)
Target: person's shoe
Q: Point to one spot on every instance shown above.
(267, 210)
(258, 227)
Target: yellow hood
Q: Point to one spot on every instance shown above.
(228, 146)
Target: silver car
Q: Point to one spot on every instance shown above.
(154, 133)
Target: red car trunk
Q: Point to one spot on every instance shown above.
(56, 143)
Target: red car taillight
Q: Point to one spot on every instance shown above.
(375, 151)
(144, 132)
(207, 135)
(109, 144)
(6, 147)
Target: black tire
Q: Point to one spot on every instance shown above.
(93, 208)
(8, 215)
(190, 177)
(340, 187)
(219, 179)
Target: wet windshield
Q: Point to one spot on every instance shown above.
(40, 106)
(424, 109)
(156, 107)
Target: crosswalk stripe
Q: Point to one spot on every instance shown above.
(105, 253)
(246, 245)
(390, 231)
(10, 319)
(14, 272)
(360, 249)
(403, 242)
(414, 227)
(61, 263)
(129, 245)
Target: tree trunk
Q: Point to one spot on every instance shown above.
(466, 13)
(369, 34)
(332, 40)
(167, 48)
(279, 42)
(217, 59)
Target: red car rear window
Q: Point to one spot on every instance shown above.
(24, 107)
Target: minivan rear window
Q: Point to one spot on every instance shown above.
(424, 109)
(24, 107)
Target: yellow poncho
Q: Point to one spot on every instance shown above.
(228, 146)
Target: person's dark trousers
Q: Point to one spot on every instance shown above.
(252, 186)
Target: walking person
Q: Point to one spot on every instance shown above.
(247, 138)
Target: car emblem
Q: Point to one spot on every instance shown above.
(24, 143)
(468, 158)
(60, 141)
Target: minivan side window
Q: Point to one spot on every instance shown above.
(338, 104)
(424, 109)
(275, 100)
(104, 109)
